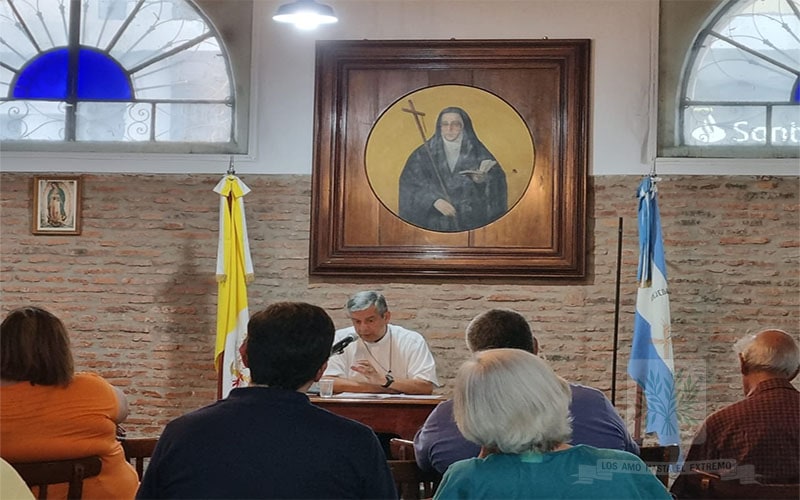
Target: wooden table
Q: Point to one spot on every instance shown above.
(393, 415)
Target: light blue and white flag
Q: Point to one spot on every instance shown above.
(651, 362)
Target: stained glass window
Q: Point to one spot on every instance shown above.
(741, 82)
(130, 72)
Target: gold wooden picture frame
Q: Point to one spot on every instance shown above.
(376, 107)
(56, 205)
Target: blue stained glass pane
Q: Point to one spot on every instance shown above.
(44, 78)
(99, 77)
(796, 96)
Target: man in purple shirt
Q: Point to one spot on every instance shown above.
(439, 443)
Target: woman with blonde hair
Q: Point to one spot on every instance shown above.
(49, 412)
(516, 408)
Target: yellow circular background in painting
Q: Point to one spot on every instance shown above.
(395, 135)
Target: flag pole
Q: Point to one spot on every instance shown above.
(234, 271)
(219, 381)
(637, 416)
(616, 317)
(231, 171)
(651, 361)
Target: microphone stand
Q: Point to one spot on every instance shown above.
(338, 348)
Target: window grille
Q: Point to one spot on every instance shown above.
(121, 75)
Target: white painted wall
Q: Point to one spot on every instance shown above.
(624, 41)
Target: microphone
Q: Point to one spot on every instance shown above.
(338, 347)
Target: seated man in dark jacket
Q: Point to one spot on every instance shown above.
(268, 440)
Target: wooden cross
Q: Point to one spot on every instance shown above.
(417, 115)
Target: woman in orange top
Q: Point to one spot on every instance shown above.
(48, 412)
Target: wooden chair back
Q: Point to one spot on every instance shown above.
(138, 452)
(72, 472)
(660, 458)
(401, 449)
(411, 481)
(714, 486)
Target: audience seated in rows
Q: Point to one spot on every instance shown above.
(513, 429)
(267, 440)
(49, 412)
(595, 421)
(512, 404)
(759, 435)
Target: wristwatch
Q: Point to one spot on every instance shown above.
(389, 380)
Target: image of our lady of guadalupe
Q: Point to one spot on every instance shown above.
(56, 205)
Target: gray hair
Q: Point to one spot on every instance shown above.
(365, 300)
(771, 351)
(512, 401)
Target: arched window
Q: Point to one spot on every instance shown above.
(739, 89)
(116, 75)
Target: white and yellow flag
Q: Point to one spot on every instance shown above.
(234, 271)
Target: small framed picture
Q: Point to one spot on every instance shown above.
(56, 205)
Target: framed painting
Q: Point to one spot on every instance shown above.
(56, 205)
(450, 158)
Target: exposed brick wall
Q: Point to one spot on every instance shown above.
(138, 293)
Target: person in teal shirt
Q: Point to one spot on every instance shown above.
(516, 408)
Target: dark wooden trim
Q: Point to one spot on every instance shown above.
(399, 416)
(543, 236)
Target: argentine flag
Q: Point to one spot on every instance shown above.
(234, 271)
(651, 363)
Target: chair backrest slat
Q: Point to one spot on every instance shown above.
(138, 451)
(401, 449)
(72, 472)
(714, 486)
(660, 457)
(411, 481)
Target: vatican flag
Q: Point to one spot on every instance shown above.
(234, 271)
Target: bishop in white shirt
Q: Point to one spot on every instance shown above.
(383, 358)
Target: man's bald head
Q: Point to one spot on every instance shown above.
(772, 351)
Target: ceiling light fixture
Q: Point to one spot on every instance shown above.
(305, 14)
